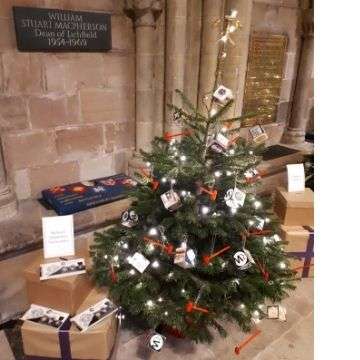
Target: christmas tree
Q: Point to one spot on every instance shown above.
(198, 245)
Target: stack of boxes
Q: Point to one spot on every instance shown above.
(296, 213)
(72, 294)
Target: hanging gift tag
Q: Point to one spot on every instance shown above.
(171, 200)
(258, 134)
(223, 94)
(129, 218)
(243, 259)
(219, 143)
(139, 262)
(156, 341)
(273, 312)
(296, 177)
(251, 175)
(235, 198)
(184, 257)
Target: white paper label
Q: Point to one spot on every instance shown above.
(296, 177)
(58, 236)
(156, 342)
(139, 262)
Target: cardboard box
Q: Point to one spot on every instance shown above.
(294, 208)
(95, 343)
(64, 294)
(301, 245)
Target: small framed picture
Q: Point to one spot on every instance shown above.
(258, 134)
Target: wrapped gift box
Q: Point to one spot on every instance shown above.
(64, 294)
(295, 208)
(301, 246)
(96, 343)
(71, 198)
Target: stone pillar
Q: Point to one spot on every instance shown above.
(303, 96)
(8, 203)
(144, 14)
(176, 21)
(212, 10)
(235, 64)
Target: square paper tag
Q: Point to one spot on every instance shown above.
(273, 312)
(139, 262)
(58, 236)
(296, 177)
(258, 134)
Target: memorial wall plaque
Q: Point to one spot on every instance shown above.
(264, 76)
(61, 30)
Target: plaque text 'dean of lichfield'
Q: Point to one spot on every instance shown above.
(61, 30)
(264, 77)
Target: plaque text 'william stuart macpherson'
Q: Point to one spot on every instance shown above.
(61, 30)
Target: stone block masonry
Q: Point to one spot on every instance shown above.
(66, 117)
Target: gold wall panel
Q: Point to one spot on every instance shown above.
(263, 77)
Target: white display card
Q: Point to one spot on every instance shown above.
(139, 262)
(296, 177)
(58, 236)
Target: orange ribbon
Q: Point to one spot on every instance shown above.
(168, 248)
(154, 183)
(265, 274)
(113, 274)
(190, 307)
(212, 193)
(207, 258)
(241, 345)
(168, 136)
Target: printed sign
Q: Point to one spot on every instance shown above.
(58, 236)
(296, 177)
(61, 30)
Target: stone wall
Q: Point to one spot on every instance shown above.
(66, 117)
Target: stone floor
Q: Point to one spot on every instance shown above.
(291, 340)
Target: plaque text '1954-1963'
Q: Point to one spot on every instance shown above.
(61, 30)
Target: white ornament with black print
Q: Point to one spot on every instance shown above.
(243, 259)
(171, 200)
(156, 341)
(129, 218)
(235, 198)
(223, 94)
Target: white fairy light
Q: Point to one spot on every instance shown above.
(256, 313)
(213, 112)
(116, 258)
(233, 210)
(160, 299)
(266, 240)
(153, 231)
(183, 291)
(183, 158)
(229, 173)
(166, 313)
(251, 152)
(282, 265)
(125, 245)
(150, 247)
(267, 220)
(217, 173)
(155, 264)
(237, 282)
(183, 193)
(128, 259)
(257, 204)
(148, 164)
(223, 265)
(105, 257)
(231, 151)
(171, 275)
(233, 14)
(205, 210)
(163, 180)
(173, 181)
(251, 222)
(172, 142)
(150, 304)
(242, 306)
(132, 272)
(139, 285)
(224, 129)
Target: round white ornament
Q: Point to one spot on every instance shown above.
(156, 342)
(240, 258)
